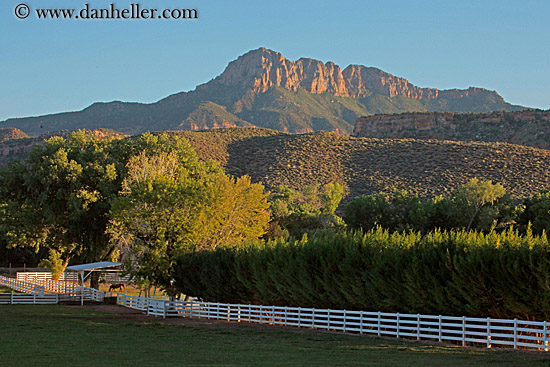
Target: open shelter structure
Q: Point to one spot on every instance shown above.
(103, 266)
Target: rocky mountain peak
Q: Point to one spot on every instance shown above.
(261, 69)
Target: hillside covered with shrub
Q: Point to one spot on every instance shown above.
(425, 168)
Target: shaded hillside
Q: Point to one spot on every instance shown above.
(264, 89)
(363, 165)
(530, 128)
(11, 134)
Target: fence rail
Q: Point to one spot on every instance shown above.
(29, 276)
(71, 276)
(22, 286)
(460, 330)
(28, 298)
(65, 291)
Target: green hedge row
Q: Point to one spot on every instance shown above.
(451, 273)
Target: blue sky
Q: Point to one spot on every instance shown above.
(52, 66)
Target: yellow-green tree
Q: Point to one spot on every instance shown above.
(171, 206)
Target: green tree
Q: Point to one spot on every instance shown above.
(59, 198)
(295, 213)
(476, 195)
(536, 210)
(172, 204)
(397, 211)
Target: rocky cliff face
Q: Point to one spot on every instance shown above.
(531, 128)
(261, 69)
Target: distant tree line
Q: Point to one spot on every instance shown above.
(477, 205)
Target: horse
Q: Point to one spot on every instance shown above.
(114, 287)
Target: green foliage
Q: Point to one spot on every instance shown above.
(59, 198)
(172, 204)
(397, 211)
(55, 263)
(454, 273)
(476, 205)
(536, 210)
(476, 194)
(294, 213)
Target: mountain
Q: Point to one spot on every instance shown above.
(363, 165)
(264, 89)
(530, 128)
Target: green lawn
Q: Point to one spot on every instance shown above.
(69, 335)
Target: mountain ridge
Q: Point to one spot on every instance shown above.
(527, 128)
(262, 88)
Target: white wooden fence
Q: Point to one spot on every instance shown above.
(28, 298)
(71, 277)
(71, 289)
(64, 290)
(22, 286)
(460, 330)
(29, 276)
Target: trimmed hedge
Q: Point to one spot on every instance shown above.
(452, 273)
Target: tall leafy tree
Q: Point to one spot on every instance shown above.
(59, 198)
(476, 195)
(308, 211)
(171, 206)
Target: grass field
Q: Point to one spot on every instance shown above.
(70, 335)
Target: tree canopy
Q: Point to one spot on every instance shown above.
(59, 198)
(169, 207)
(83, 196)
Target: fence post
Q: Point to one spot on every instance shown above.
(545, 338)
(463, 330)
(328, 319)
(164, 310)
(440, 328)
(515, 333)
(344, 321)
(261, 314)
(286, 315)
(417, 326)
(11, 298)
(379, 323)
(361, 322)
(488, 332)
(398, 325)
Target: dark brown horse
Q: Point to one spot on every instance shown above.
(114, 287)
